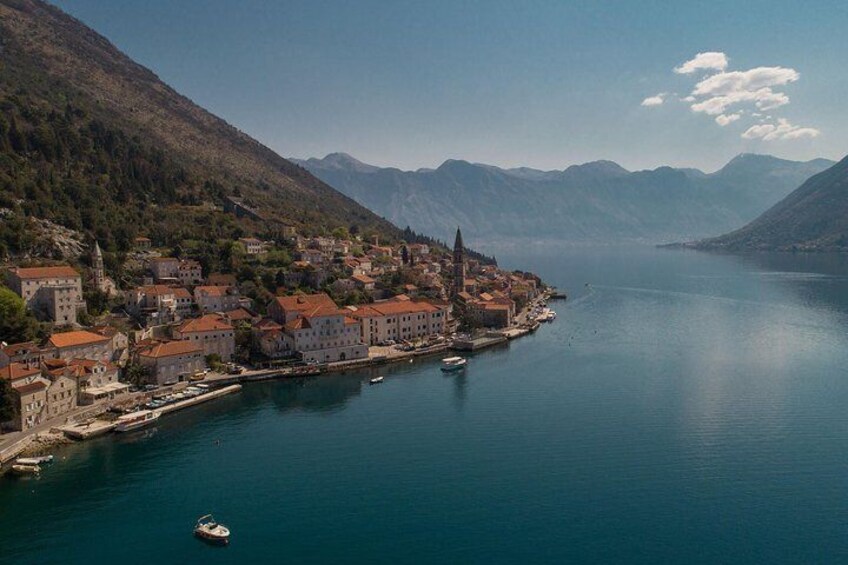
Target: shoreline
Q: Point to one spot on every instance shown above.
(38, 442)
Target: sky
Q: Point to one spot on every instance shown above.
(543, 84)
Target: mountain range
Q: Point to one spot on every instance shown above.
(595, 202)
(812, 218)
(93, 141)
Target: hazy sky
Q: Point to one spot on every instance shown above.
(543, 84)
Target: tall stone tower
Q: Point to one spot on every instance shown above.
(97, 268)
(458, 264)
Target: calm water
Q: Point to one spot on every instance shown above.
(684, 408)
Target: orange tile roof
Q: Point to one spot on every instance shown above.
(156, 289)
(62, 271)
(76, 338)
(181, 292)
(304, 302)
(394, 308)
(18, 348)
(214, 290)
(170, 348)
(364, 279)
(267, 324)
(240, 314)
(17, 371)
(207, 323)
(31, 387)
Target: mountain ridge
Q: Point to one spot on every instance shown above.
(597, 201)
(67, 92)
(814, 217)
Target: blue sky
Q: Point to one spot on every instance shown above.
(543, 84)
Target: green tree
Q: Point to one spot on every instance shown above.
(16, 322)
(7, 401)
(137, 374)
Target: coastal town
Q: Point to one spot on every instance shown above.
(167, 333)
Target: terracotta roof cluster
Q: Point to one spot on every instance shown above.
(76, 338)
(61, 271)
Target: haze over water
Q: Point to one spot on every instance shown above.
(685, 407)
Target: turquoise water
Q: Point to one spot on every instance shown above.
(683, 408)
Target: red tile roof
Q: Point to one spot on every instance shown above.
(214, 290)
(62, 271)
(76, 338)
(207, 323)
(31, 387)
(304, 302)
(20, 348)
(393, 308)
(17, 371)
(170, 348)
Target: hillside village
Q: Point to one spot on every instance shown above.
(161, 316)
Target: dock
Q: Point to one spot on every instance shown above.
(98, 427)
(88, 430)
(211, 395)
(478, 343)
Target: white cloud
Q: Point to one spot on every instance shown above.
(764, 99)
(783, 130)
(745, 81)
(724, 119)
(654, 100)
(711, 60)
(730, 95)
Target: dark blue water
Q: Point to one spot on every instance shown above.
(684, 408)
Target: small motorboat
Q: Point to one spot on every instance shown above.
(136, 420)
(20, 469)
(451, 364)
(41, 460)
(211, 531)
(376, 380)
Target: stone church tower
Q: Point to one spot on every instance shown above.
(97, 268)
(458, 264)
(101, 281)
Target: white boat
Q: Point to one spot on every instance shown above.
(34, 460)
(136, 420)
(209, 530)
(451, 364)
(376, 380)
(19, 469)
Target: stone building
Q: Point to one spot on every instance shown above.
(399, 319)
(80, 344)
(29, 396)
(172, 361)
(54, 293)
(212, 332)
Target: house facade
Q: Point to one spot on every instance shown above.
(54, 293)
(172, 361)
(212, 332)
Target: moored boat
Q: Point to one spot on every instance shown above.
(136, 420)
(211, 531)
(20, 469)
(376, 380)
(451, 364)
(34, 460)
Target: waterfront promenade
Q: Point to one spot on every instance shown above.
(14, 443)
